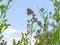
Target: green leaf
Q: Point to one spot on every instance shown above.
(55, 1)
(9, 1)
(1, 37)
(39, 23)
(2, 8)
(53, 25)
(1, 27)
(55, 4)
(45, 19)
(22, 36)
(52, 0)
(14, 42)
(4, 20)
(0, 0)
(5, 27)
(4, 16)
(57, 19)
(55, 36)
(8, 25)
(56, 14)
(25, 43)
(22, 39)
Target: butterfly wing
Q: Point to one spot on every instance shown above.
(29, 11)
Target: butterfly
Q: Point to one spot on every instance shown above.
(29, 11)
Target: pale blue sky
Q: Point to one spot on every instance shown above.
(17, 15)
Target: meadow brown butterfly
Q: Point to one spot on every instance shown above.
(29, 11)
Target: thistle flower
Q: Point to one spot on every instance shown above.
(3, 41)
(33, 15)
